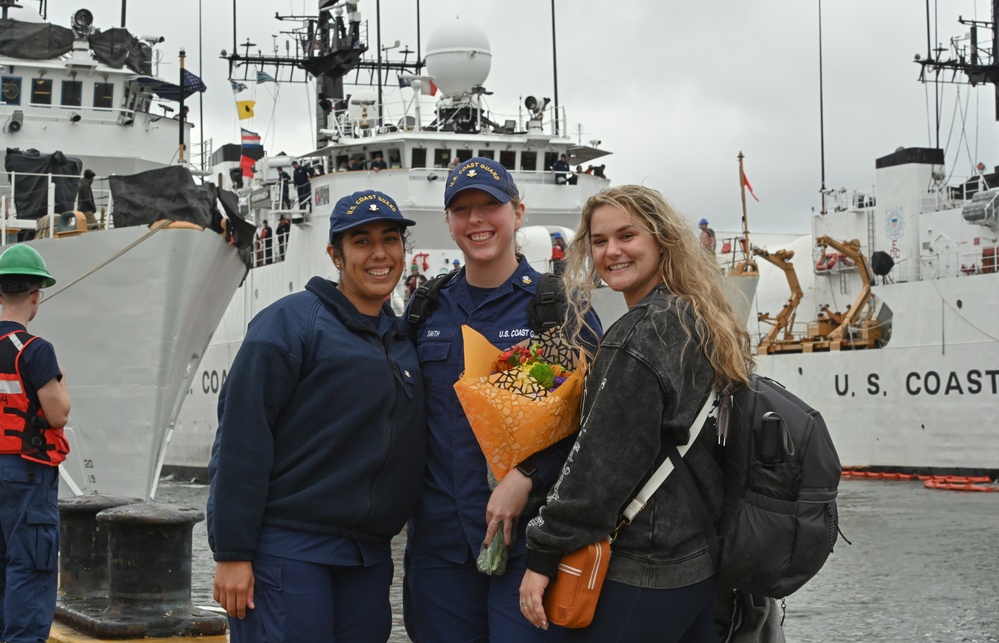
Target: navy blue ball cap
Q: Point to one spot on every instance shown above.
(363, 207)
(484, 174)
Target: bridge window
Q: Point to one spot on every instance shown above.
(463, 155)
(508, 159)
(487, 154)
(72, 93)
(11, 90)
(442, 157)
(103, 95)
(550, 158)
(529, 161)
(394, 158)
(41, 91)
(419, 157)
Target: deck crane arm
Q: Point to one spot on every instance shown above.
(851, 249)
(784, 320)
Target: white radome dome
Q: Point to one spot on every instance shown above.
(458, 57)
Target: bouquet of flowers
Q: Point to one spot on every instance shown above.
(518, 401)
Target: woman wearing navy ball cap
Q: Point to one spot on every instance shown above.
(310, 481)
(446, 597)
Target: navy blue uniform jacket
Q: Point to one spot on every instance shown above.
(450, 520)
(321, 426)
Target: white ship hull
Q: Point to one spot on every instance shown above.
(130, 336)
(927, 400)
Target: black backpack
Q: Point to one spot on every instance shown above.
(545, 311)
(779, 522)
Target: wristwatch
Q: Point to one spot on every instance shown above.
(529, 470)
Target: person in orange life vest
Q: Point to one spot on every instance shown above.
(35, 408)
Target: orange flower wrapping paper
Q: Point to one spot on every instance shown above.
(509, 426)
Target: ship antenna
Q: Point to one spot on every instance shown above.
(822, 125)
(555, 68)
(378, 35)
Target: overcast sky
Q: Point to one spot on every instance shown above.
(675, 89)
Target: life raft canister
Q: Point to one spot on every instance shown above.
(23, 427)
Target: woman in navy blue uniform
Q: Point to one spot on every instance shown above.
(447, 598)
(310, 479)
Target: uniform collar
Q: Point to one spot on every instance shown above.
(525, 277)
(344, 310)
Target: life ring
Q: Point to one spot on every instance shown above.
(826, 262)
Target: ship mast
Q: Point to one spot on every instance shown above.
(977, 64)
(328, 47)
(745, 216)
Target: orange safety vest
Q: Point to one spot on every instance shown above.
(23, 427)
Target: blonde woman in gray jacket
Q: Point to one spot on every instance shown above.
(654, 369)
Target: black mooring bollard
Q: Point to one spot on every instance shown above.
(83, 546)
(149, 577)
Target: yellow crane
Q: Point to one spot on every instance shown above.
(780, 338)
(835, 330)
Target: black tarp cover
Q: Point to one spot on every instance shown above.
(31, 194)
(115, 47)
(34, 41)
(171, 193)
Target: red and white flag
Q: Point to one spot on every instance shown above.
(745, 181)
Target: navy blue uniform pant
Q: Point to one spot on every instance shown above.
(29, 549)
(626, 614)
(298, 601)
(447, 602)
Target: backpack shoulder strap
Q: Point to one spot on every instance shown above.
(424, 301)
(547, 308)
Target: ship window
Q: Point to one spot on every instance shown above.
(529, 161)
(419, 157)
(508, 159)
(103, 95)
(394, 158)
(72, 93)
(11, 93)
(41, 91)
(550, 158)
(487, 154)
(464, 155)
(341, 162)
(442, 157)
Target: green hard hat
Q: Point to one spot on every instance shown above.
(25, 260)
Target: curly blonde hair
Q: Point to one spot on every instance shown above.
(687, 271)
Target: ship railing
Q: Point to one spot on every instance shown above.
(522, 177)
(44, 113)
(11, 223)
(407, 116)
